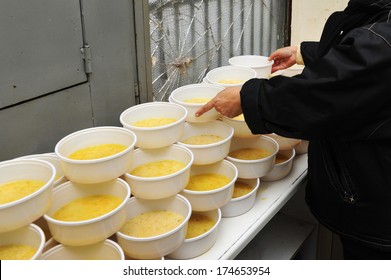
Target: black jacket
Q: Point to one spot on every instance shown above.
(341, 103)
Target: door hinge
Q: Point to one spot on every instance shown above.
(86, 56)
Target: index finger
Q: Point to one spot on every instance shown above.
(208, 106)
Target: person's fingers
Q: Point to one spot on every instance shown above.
(208, 106)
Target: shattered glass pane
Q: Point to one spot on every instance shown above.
(189, 38)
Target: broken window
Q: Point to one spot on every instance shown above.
(188, 38)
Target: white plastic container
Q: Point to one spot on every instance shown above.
(96, 170)
(241, 129)
(284, 143)
(260, 64)
(156, 246)
(281, 170)
(218, 75)
(24, 211)
(158, 136)
(302, 147)
(208, 153)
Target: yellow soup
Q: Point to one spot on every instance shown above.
(250, 154)
(18, 189)
(207, 182)
(241, 189)
(197, 100)
(86, 208)
(97, 151)
(202, 139)
(280, 158)
(17, 252)
(199, 224)
(152, 223)
(152, 122)
(158, 168)
(239, 118)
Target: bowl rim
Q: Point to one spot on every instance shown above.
(248, 161)
(42, 240)
(93, 220)
(152, 104)
(158, 178)
(98, 160)
(230, 67)
(214, 144)
(212, 229)
(42, 189)
(268, 64)
(227, 186)
(288, 160)
(254, 190)
(189, 104)
(163, 235)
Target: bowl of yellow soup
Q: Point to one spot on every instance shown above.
(86, 214)
(243, 198)
(97, 154)
(240, 126)
(26, 189)
(193, 97)
(103, 250)
(154, 228)
(24, 243)
(160, 173)
(282, 166)
(202, 232)
(210, 186)
(253, 157)
(156, 124)
(261, 64)
(230, 76)
(209, 142)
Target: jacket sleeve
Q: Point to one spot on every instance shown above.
(309, 51)
(344, 95)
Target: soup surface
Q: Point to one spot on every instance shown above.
(239, 118)
(207, 182)
(280, 158)
(199, 224)
(17, 252)
(86, 208)
(250, 153)
(230, 81)
(241, 189)
(152, 223)
(18, 189)
(158, 168)
(153, 122)
(197, 100)
(202, 139)
(97, 151)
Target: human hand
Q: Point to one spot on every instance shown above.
(283, 58)
(226, 102)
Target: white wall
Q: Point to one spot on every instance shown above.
(309, 17)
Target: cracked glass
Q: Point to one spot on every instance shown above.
(189, 38)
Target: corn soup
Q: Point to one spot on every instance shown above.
(199, 224)
(239, 118)
(241, 189)
(280, 158)
(207, 182)
(97, 151)
(17, 252)
(152, 223)
(153, 122)
(18, 189)
(197, 100)
(202, 139)
(230, 81)
(158, 168)
(250, 153)
(86, 208)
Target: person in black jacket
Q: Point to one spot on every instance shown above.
(341, 103)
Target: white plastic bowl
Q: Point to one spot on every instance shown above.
(240, 127)
(239, 205)
(156, 246)
(162, 186)
(53, 159)
(249, 169)
(90, 231)
(213, 199)
(260, 64)
(292, 71)
(26, 210)
(30, 235)
(159, 136)
(198, 245)
(281, 170)
(302, 147)
(207, 91)
(284, 143)
(104, 250)
(101, 169)
(242, 74)
(208, 153)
